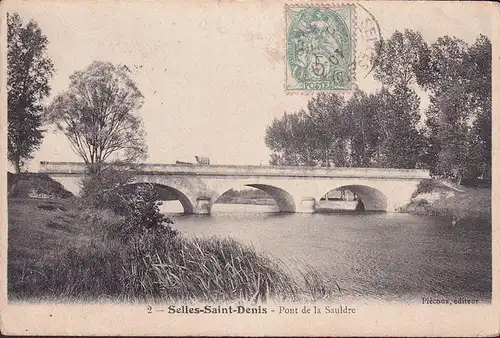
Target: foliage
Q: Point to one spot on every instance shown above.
(365, 131)
(329, 126)
(102, 189)
(362, 112)
(459, 117)
(140, 208)
(28, 72)
(99, 115)
(310, 138)
(396, 64)
(137, 204)
(288, 138)
(400, 58)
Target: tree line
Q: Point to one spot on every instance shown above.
(452, 137)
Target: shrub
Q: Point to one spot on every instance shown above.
(102, 190)
(137, 204)
(141, 212)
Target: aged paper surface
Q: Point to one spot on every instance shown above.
(213, 76)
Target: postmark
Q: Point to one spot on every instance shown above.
(319, 48)
(368, 40)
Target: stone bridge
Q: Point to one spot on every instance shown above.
(295, 189)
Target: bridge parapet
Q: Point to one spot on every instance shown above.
(78, 168)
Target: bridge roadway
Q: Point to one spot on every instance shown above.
(295, 189)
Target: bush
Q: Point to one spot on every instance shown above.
(137, 204)
(102, 190)
(141, 212)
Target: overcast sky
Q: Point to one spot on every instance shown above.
(212, 74)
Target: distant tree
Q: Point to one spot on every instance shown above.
(398, 118)
(329, 129)
(379, 135)
(28, 72)
(291, 140)
(312, 138)
(364, 135)
(99, 116)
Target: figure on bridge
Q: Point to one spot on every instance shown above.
(202, 160)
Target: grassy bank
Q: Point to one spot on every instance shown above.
(61, 252)
(446, 200)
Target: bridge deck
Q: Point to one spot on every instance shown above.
(77, 168)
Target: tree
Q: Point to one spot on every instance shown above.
(316, 137)
(329, 129)
(99, 116)
(399, 59)
(398, 63)
(28, 72)
(290, 140)
(458, 77)
(398, 118)
(364, 135)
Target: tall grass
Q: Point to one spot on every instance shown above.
(159, 266)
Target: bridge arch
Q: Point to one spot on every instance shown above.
(283, 199)
(372, 198)
(165, 193)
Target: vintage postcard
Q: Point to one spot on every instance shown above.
(249, 168)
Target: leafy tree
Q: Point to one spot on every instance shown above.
(310, 138)
(364, 134)
(398, 63)
(99, 116)
(399, 59)
(28, 72)
(458, 77)
(290, 139)
(398, 118)
(329, 128)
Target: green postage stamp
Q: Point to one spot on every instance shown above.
(319, 48)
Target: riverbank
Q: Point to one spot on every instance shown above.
(450, 201)
(59, 252)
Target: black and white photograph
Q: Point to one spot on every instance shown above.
(249, 167)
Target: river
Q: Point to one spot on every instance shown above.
(373, 256)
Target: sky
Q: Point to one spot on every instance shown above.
(212, 72)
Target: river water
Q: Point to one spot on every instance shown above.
(372, 256)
